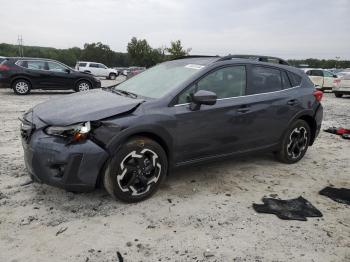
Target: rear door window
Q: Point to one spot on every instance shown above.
(265, 80)
(285, 80)
(295, 80)
(82, 64)
(36, 65)
(94, 65)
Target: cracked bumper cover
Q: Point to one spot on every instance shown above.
(74, 167)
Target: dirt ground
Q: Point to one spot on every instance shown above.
(200, 214)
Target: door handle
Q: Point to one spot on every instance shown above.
(292, 102)
(243, 109)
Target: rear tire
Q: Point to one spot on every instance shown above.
(295, 142)
(82, 86)
(136, 170)
(339, 95)
(21, 87)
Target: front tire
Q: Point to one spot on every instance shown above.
(112, 76)
(295, 142)
(82, 86)
(136, 170)
(339, 95)
(21, 87)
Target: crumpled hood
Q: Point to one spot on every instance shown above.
(85, 106)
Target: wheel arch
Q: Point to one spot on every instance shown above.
(308, 117)
(119, 140)
(82, 79)
(21, 78)
(313, 126)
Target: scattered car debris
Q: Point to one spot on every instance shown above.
(340, 195)
(62, 229)
(292, 209)
(343, 132)
(120, 257)
(27, 182)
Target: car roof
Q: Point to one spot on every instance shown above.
(31, 58)
(209, 60)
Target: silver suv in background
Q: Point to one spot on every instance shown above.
(97, 69)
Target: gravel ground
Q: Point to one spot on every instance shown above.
(200, 213)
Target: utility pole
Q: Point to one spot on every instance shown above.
(20, 46)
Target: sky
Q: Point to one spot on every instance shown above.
(288, 29)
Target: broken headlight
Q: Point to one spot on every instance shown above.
(75, 133)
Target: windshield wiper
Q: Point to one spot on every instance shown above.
(124, 93)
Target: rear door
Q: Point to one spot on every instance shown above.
(38, 72)
(271, 102)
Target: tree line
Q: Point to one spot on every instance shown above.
(139, 53)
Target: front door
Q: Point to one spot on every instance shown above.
(216, 129)
(61, 76)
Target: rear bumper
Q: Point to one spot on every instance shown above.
(74, 167)
(4, 83)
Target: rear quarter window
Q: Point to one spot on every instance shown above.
(295, 79)
(82, 64)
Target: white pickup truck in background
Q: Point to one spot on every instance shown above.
(97, 69)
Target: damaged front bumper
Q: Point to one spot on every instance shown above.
(74, 167)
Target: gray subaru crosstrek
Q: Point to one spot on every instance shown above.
(130, 136)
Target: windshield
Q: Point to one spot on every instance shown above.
(159, 80)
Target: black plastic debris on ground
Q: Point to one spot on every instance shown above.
(340, 195)
(291, 209)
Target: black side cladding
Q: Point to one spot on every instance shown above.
(340, 195)
(292, 209)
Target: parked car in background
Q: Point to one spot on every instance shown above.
(121, 70)
(343, 72)
(176, 113)
(23, 74)
(134, 70)
(2, 59)
(97, 69)
(321, 78)
(342, 86)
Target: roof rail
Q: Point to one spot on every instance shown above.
(194, 56)
(256, 58)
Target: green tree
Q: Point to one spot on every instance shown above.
(176, 50)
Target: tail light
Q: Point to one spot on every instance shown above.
(336, 82)
(318, 95)
(4, 68)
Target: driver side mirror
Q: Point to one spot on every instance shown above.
(335, 76)
(202, 97)
(67, 71)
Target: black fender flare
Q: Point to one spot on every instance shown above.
(305, 114)
(18, 77)
(81, 79)
(155, 132)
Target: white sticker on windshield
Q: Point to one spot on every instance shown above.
(193, 66)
